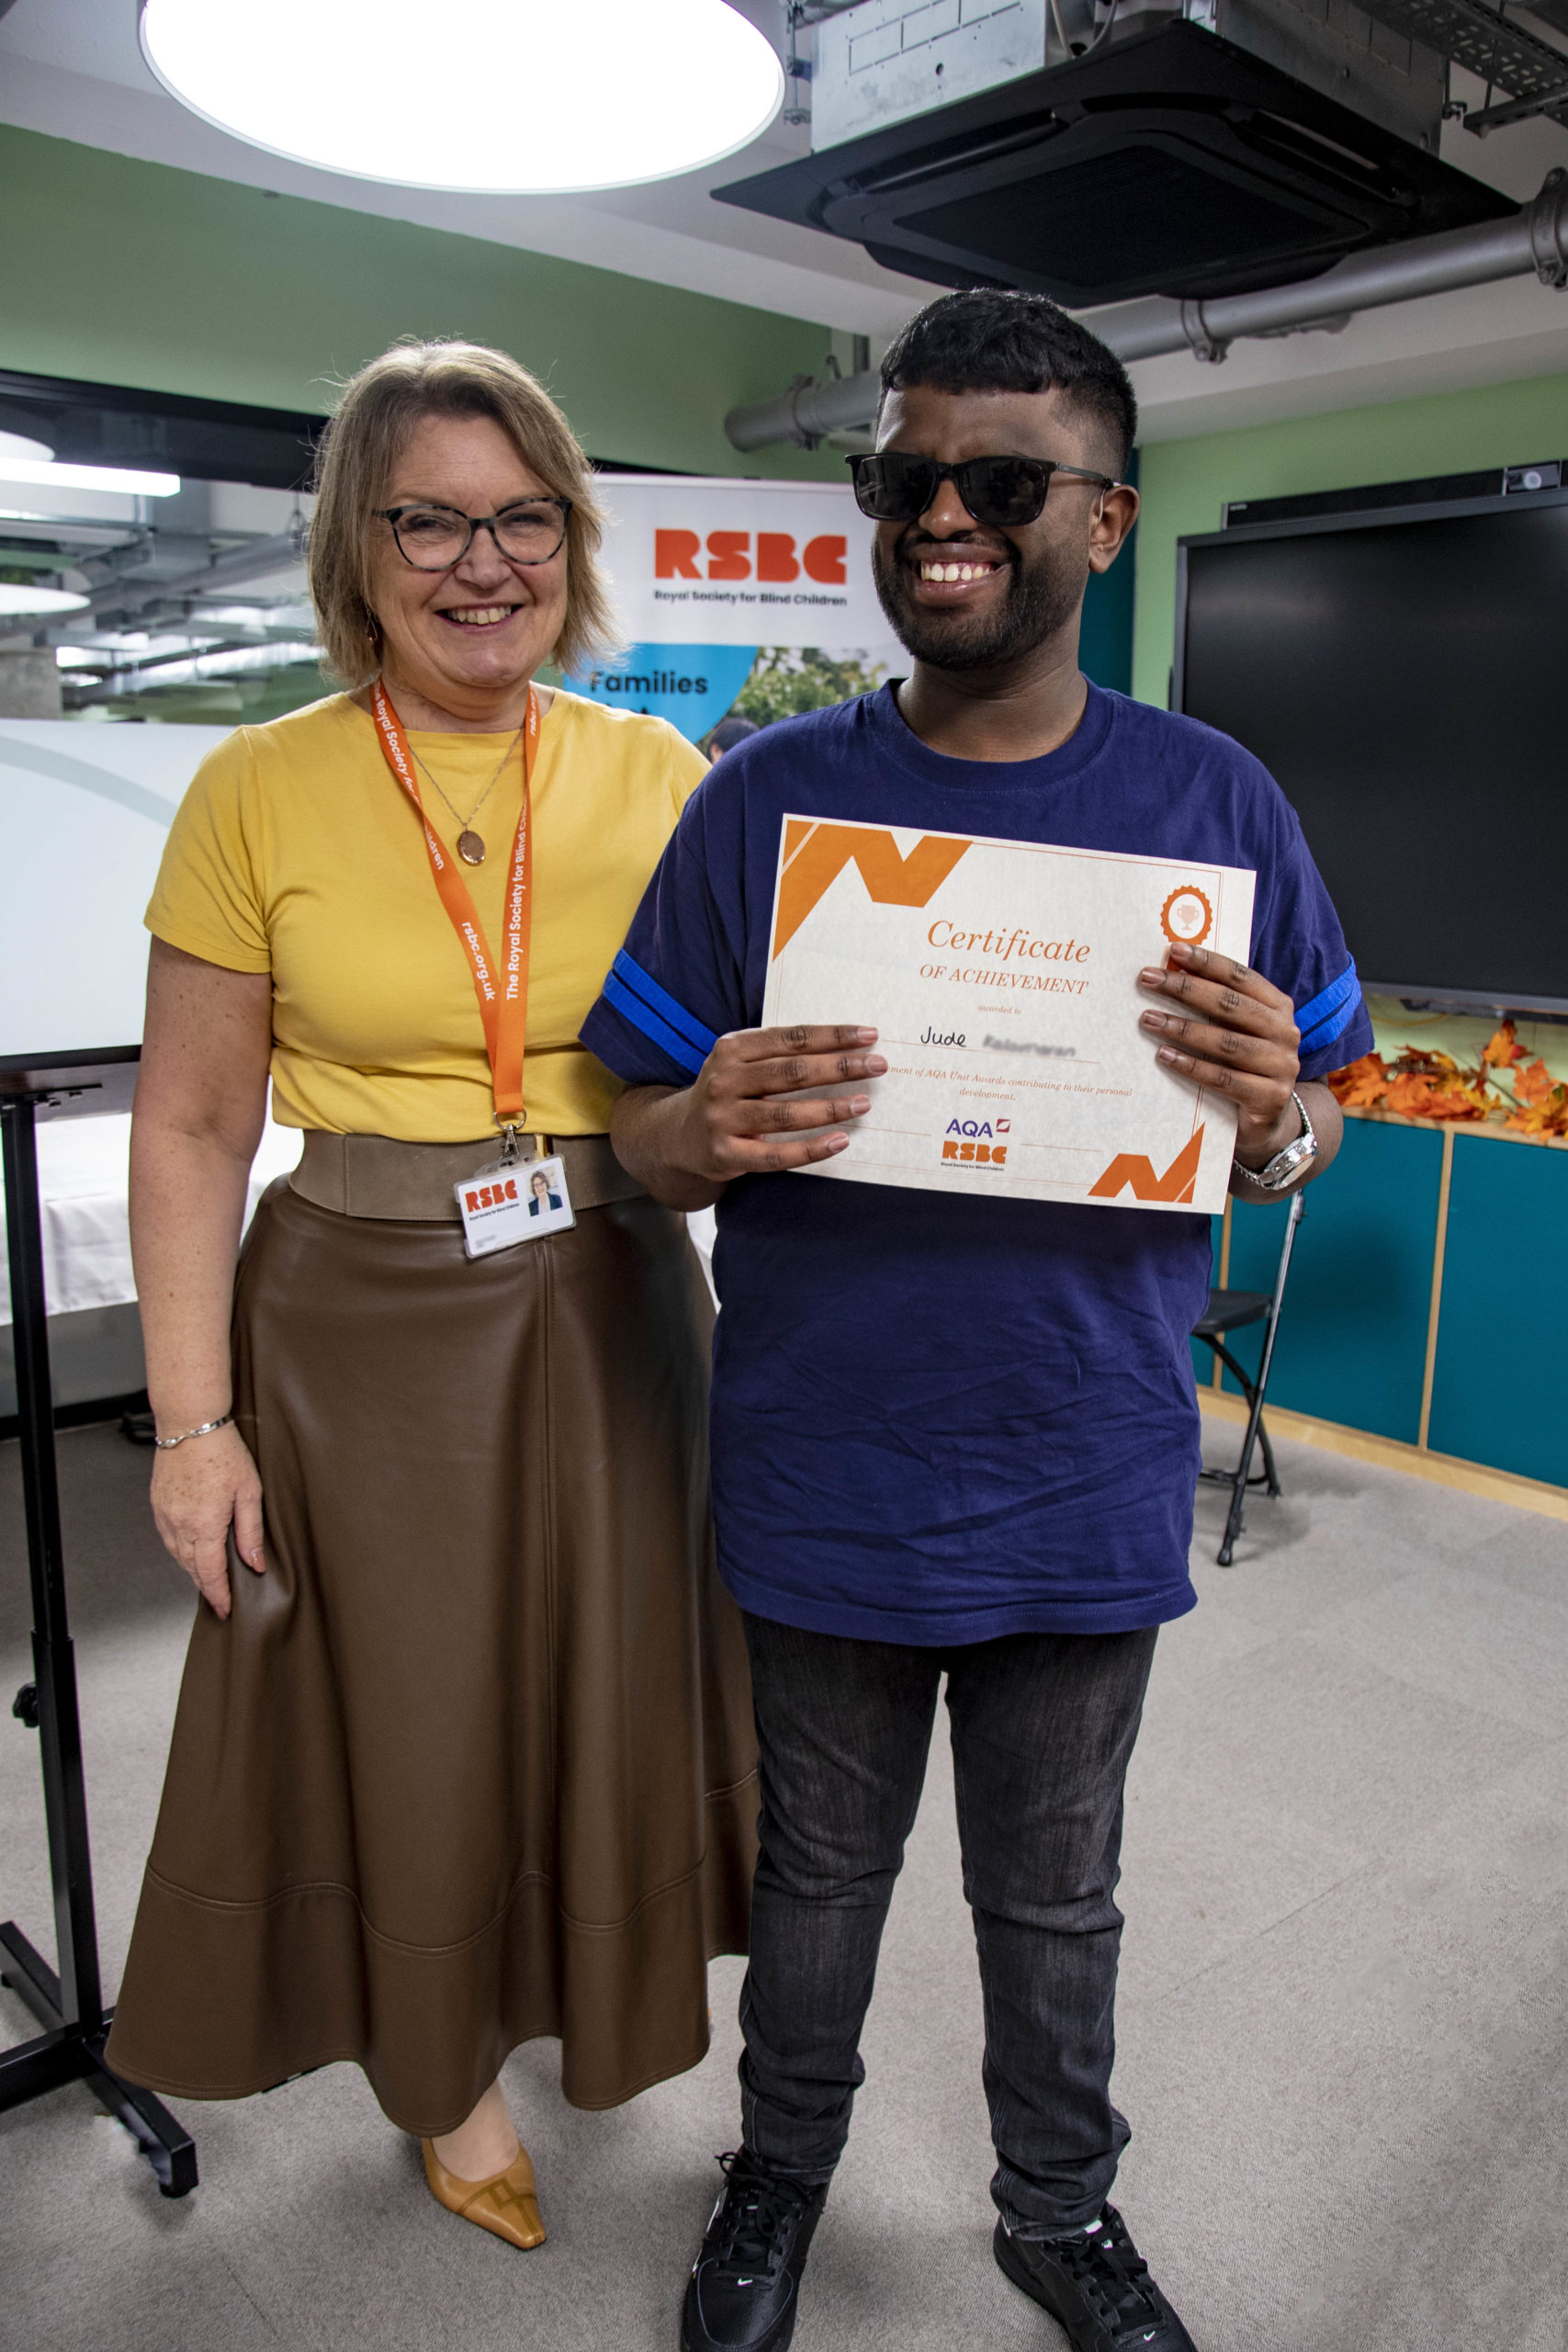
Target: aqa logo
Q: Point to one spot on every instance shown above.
(983, 1154)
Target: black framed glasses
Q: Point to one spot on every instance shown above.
(896, 486)
(433, 538)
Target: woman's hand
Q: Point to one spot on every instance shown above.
(200, 1489)
(200, 1103)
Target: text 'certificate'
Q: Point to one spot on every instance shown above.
(1003, 977)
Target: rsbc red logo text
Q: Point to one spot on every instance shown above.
(490, 1196)
(677, 556)
(995, 1154)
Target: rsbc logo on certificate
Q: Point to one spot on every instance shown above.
(1003, 977)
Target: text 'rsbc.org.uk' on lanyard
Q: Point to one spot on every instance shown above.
(497, 1208)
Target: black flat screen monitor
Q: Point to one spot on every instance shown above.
(1403, 678)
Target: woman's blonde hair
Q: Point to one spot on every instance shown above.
(379, 408)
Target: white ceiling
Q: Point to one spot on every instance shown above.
(73, 69)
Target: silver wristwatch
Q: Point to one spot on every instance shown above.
(1277, 1175)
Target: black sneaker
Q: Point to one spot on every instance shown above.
(1098, 2285)
(745, 2282)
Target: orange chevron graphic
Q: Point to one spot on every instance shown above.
(1132, 1168)
(815, 855)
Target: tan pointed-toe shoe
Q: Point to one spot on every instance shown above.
(507, 2204)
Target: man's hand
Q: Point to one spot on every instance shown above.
(736, 1125)
(1229, 1028)
(686, 1144)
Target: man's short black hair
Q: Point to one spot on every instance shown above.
(991, 339)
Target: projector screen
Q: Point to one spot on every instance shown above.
(83, 814)
(1403, 679)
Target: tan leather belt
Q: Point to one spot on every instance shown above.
(378, 1176)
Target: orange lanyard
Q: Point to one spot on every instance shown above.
(503, 993)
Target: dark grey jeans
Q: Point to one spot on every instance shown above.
(1043, 1725)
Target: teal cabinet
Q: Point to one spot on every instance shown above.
(1380, 1228)
(1499, 1394)
(1352, 1343)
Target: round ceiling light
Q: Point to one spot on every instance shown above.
(507, 95)
(20, 445)
(15, 598)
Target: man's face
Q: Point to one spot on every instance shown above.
(965, 595)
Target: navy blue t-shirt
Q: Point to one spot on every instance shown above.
(938, 1420)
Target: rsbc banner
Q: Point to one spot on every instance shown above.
(705, 571)
(720, 562)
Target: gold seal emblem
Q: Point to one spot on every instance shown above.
(1186, 918)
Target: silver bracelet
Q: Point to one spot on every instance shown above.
(202, 1429)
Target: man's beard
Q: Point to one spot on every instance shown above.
(1037, 603)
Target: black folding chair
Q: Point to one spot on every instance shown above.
(1231, 1310)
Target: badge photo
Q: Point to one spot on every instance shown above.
(521, 1201)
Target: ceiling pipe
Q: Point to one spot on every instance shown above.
(1533, 241)
(808, 412)
(125, 597)
(133, 589)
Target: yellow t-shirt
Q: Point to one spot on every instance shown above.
(296, 853)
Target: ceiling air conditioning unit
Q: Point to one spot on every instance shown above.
(1094, 150)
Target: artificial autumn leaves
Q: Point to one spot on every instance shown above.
(1434, 1086)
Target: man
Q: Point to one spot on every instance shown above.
(958, 1436)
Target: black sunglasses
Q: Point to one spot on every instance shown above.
(898, 487)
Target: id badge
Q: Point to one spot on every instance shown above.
(518, 1200)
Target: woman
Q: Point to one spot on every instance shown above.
(464, 1750)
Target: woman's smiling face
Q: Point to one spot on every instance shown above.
(469, 639)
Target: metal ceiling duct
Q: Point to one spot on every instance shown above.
(1164, 160)
(1532, 242)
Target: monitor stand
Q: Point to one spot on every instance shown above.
(69, 2006)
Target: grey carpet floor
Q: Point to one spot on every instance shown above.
(1342, 2029)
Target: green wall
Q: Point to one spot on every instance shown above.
(1185, 483)
(121, 272)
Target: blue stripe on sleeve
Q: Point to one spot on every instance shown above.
(659, 1000)
(1329, 1013)
(1326, 1032)
(642, 1016)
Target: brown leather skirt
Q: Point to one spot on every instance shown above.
(473, 1761)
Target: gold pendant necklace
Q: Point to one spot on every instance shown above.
(471, 844)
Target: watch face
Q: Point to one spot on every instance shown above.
(1276, 1172)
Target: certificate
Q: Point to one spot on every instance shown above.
(1003, 979)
